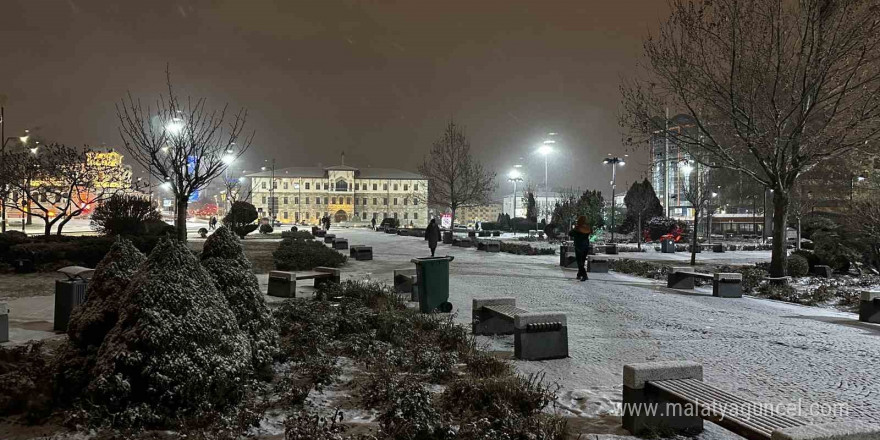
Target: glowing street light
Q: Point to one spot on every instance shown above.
(514, 176)
(175, 126)
(228, 159)
(614, 162)
(165, 185)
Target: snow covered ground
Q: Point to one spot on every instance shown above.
(766, 351)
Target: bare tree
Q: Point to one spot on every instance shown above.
(772, 88)
(182, 142)
(57, 183)
(698, 193)
(236, 191)
(455, 178)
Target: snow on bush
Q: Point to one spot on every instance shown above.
(176, 350)
(234, 277)
(297, 254)
(92, 321)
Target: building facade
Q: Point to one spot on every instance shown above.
(347, 194)
(545, 202)
(670, 168)
(482, 213)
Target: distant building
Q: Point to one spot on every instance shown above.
(482, 213)
(345, 193)
(545, 201)
(670, 167)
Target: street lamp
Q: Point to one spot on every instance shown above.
(852, 187)
(514, 176)
(545, 150)
(271, 191)
(614, 162)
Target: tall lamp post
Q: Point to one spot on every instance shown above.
(545, 150)
(614, 162)
(228, 159)
(271, 192)
(514, 176)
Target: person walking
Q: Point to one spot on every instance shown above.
(373, 223)
(581, 236)
(328, 222)
(432, 235)
(212, 223)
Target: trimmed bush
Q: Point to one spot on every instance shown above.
(240, 218)
(798, 266)
(234, 277)
(526, 249)
(294, 254)
(25, 387)
(753, 276)
(203, 232)
(124, 215)
(176, 350)
(266, 228)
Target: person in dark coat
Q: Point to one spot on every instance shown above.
(328, 222)
(581, 237)
(432, 235)
(373, 222)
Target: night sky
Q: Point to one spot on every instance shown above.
(378, 80)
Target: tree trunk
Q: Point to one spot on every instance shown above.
(452, 221)
(47, 231)
(63, 222)
(780, 217)
(694, 242)
(639, 233)
(798, 244)
(180, 221)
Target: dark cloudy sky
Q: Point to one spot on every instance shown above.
(376, 79)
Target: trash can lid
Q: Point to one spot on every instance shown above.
(74, 272)
(429, 259)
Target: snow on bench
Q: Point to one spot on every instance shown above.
(724, 285)
(360, 252)
(536, 336)
(283, 283)
(672, 397)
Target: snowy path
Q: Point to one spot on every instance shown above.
(766, 351)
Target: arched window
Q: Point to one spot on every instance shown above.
(341, 185)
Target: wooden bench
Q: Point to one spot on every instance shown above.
(724, 285)
(672, 397)
(361, 253)
(283, 284)
(536, 336)
(869, 306)
(328, 238)
(597, 264)
(340, 243)
(406, 281)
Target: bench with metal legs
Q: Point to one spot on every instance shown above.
(283, 283)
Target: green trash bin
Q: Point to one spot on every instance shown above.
(433, 283)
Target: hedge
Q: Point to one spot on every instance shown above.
(525, 249)
(296, 254)
(52, 252)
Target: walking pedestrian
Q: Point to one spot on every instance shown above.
(373, 223)
(328, 222)
(581, 236)
(212, 223)
(432, 235)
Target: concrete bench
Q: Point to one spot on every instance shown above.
(822, 270)
(496, 233)
(724, 285)
(489, 245)
(328, 238)
(597, 264)
(536, 336)
(610, 249)
(283, 284)
(718, 247)
(340, 243)
(462, 242)
(671, 397)
(361, 253)
(4, 322)
(869, 307)
(406, 281)
(319, 233)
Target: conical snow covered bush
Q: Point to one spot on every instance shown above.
(90, 322)
(176, 350)
(233, 276)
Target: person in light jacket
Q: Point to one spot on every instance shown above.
(432, 235)
(581, 237)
